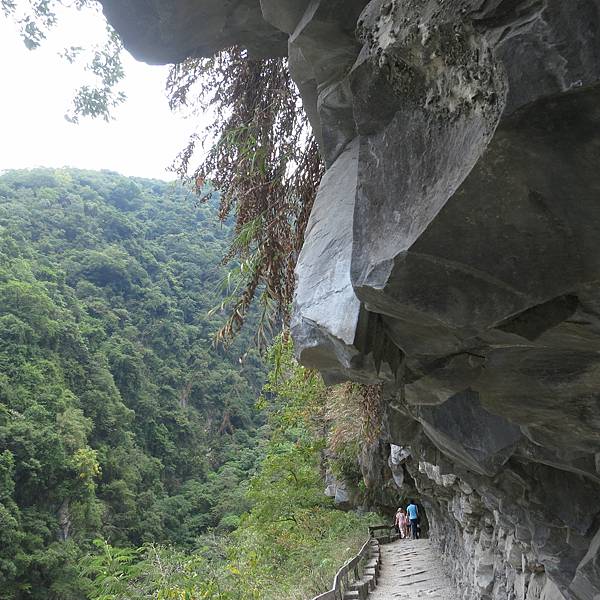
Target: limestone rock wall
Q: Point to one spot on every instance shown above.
(453, 253)
(511, 526)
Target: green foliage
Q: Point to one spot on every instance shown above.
(291, 541)
(101, 99)
(36, 18)
(118, 419)
(120, 422)
(153, 572)
(294, 539)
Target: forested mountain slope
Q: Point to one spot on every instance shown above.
(119, 419)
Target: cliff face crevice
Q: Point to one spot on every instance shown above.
(452, 253)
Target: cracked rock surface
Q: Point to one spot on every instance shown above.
(453, 254)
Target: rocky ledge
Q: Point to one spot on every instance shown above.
(453, 253)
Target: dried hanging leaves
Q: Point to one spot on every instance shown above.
(265, 165)
(355, 411)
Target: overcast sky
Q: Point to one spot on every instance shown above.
(37, 88)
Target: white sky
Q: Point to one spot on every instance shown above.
(37, 90)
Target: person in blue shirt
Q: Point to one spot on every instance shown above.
(413, 515)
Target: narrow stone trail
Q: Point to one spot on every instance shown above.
(411, 570)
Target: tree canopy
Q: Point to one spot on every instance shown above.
(119, 418)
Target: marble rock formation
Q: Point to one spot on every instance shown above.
(453, 253)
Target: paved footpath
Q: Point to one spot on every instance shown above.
(411, 570)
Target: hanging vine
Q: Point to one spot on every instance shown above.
(264, 164)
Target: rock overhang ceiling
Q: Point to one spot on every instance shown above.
(453, 252)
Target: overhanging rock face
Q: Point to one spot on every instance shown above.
(453, 252)
(167, 32)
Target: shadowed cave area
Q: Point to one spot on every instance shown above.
(452, 254)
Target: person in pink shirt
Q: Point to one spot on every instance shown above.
(402, 523)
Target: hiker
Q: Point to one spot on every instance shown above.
(413, 515)
(397, 520)
(402, 523)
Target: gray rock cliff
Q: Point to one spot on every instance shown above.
(453, 253)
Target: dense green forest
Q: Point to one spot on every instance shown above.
(135, 461)
(118, 416)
